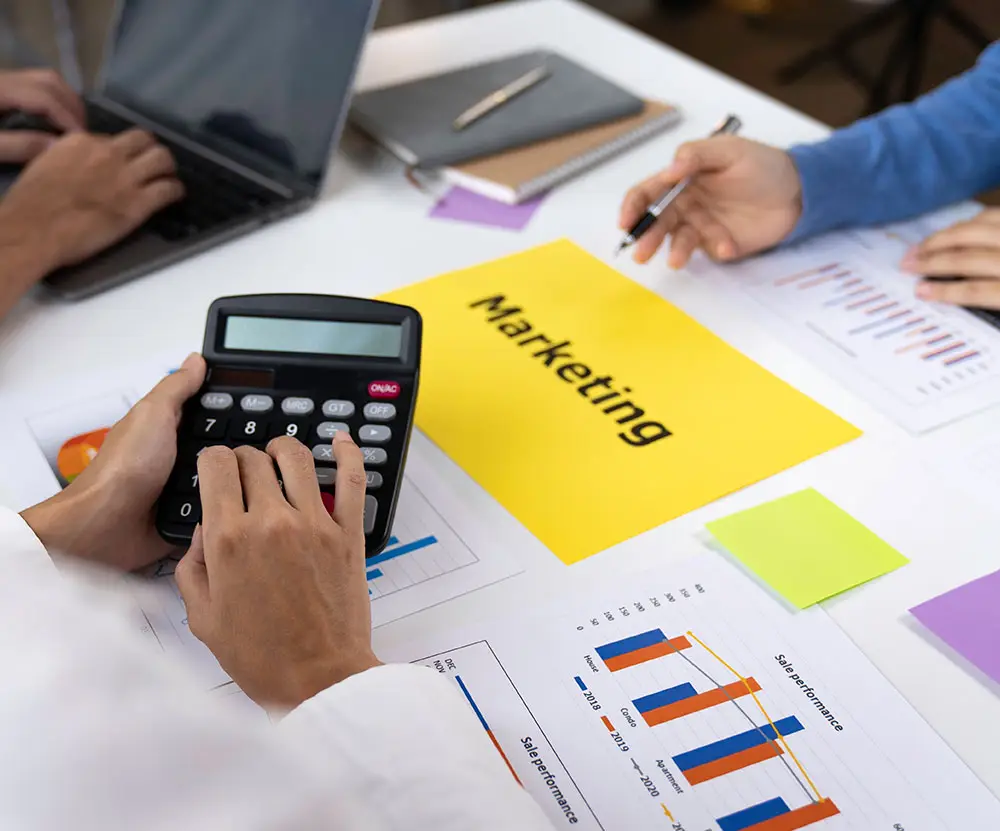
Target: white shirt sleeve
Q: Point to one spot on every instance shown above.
(418, 751)
(97, 732)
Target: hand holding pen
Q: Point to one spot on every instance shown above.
(728, 196)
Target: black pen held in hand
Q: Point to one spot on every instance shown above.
(730, 126)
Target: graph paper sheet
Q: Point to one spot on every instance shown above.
(430, 560)
(841, 301)
(687, 698)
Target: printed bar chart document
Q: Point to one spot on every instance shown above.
(841, 302)
(688, 698)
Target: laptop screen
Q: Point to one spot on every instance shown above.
(268, 82)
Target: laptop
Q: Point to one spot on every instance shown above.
(251, 96)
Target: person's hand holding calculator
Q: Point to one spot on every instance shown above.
(106, 515)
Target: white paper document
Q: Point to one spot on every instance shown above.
(53, 432)
(688, 699)
(842, 302)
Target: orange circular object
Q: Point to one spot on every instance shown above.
(78, 452)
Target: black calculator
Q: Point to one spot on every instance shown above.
(305, 366)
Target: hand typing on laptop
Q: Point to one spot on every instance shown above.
(80, 196)
(43, 94)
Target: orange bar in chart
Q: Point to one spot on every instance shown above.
(733, 762)
(943, 350)
(608, 724)
(861, 303)
(784, 281)
(638, 649)
(799, 818)
(957, 359)
(702, 701)
(809, 284)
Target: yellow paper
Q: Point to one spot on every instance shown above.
(805, 547)
(679, 419)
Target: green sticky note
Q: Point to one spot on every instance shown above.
(805, 547)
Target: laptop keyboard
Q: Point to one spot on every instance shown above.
(214, 195)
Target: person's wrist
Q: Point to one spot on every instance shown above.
(70, 523)
(308, 679)
(25, 247)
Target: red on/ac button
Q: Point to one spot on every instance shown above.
(384, 389)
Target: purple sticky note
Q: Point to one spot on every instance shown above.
(968, 620)
(466, 206)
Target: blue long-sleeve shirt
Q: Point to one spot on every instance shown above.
(908, 160)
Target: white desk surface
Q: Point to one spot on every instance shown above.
(371, 233)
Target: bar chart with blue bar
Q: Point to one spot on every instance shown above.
(672, 695)
(924, 364)
(737, 752)
(637, 649)
(486, 727)
(426, 561)
(775, 815)
(416, 551)
(718, 689)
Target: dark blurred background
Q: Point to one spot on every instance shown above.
(748, 39)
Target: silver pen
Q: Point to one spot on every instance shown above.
(730, 126)
(501, 97)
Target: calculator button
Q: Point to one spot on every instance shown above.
(324, 453)
(336, 408)
(186, 480)
(384, 389)
(371, 510)
(256, 403)
(209, 427)
(328, 429)
(297, 406)
(326, 476)
(328, 501)
(186, 510)
(374, 434)
(251, 430)
(216, 401)
(379, 412)
(374, 455)
(289, 427)
(373, 480)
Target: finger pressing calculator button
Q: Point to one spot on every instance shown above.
(328, 429)
(379, 412)
(248, 430)
(335, 408)
(374, 455)
(371, 510)
(324, 453)
(326, 476)
(256, 403)
(373, 480)
(297, 406)
(289, 427)
(209, 427)
(186, 510)
(216, 401)
(374, 434)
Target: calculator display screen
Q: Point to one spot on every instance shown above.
(317, 337)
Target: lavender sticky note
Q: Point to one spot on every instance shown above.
(968, 620)
(464, 205)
